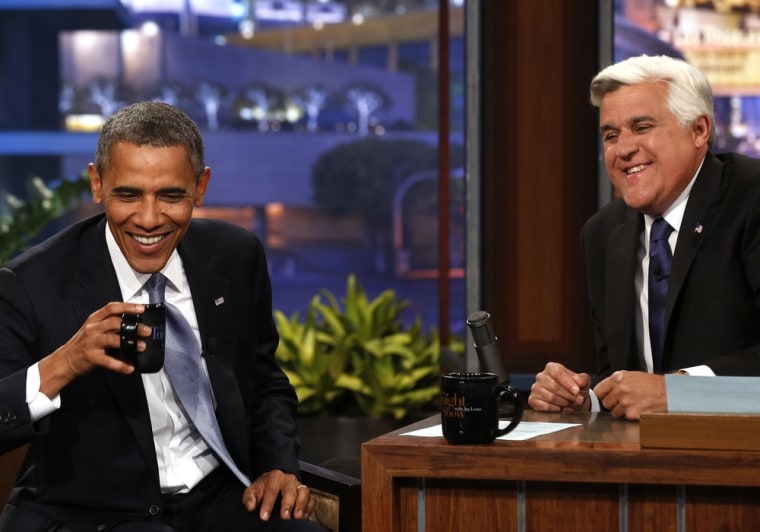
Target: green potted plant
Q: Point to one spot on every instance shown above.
(21, 221)
(357, 367)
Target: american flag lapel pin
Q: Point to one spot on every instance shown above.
(218, 301)
(698, 229)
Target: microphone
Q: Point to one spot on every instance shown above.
(485, 344)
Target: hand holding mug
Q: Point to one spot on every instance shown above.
(152, 358)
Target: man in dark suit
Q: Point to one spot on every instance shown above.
(657, 123)
(111, 448)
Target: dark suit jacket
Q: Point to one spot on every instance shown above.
(97, 450)
(713, 302)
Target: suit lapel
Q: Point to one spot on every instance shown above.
(95, 284)
(701, 210)
(621, 300)
(211, 293)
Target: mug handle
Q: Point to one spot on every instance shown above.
(505, 389)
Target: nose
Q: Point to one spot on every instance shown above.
(149, 213)
(626, 144)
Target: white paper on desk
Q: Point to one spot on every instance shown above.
(718, 395)
(524, 431)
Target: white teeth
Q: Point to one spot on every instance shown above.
(638, 168)
(147, 240)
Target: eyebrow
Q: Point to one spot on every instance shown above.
(631, 122)
(135, 190)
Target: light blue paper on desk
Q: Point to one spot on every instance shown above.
(715, 395)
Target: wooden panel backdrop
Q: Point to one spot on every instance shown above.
(539, 155)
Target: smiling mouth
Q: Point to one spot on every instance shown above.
(148, 240)
(637, 168)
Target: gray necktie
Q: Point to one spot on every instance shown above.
(182, 363)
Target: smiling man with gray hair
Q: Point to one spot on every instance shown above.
(673, 263)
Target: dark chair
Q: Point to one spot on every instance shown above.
(337, 490)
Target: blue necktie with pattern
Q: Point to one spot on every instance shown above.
(182, 363)
(660, 260)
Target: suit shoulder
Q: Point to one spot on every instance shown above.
(739, 166)
(740, 176)
(610, 215)
(62, 246)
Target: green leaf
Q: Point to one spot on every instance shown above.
(21, 222)
(360, 355)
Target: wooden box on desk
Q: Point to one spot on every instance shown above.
(732, 432)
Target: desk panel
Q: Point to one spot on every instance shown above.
(474, 505)
(591, 477)
(594, 505)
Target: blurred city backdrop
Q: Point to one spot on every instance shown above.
(321, 117)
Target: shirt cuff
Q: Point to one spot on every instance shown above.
(700, 371)
(595, 406)
(39, 404)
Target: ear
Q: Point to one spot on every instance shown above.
(701, 128)
(96, 184)
(201, 186)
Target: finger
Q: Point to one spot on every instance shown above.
(618, 411)
(251, 496)
(146, 331)
(117, 308)
(565, 382)
(114, 364)
(603, 388)
(290, 495)
(539, 405)
(304, 502)
(90, 346)
(611, 401)
(583, 380)
(267, 502)
(550, 391)
(310, 507)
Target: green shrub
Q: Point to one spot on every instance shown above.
(21, 221)
(359, 359)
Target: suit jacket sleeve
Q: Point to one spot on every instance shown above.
(16, 341)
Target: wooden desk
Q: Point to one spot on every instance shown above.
(594, 477)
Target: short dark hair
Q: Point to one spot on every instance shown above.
(154, 124)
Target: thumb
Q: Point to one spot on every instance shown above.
(582, 380)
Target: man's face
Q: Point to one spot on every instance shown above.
(650, 158)
(148, 195)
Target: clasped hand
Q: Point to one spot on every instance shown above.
(629, 394)
(625, 393)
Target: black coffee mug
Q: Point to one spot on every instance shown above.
(152, 359)
(473, 403)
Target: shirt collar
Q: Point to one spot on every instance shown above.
(130, 281)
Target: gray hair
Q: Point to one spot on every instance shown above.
(689, 91)
(154, 124)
